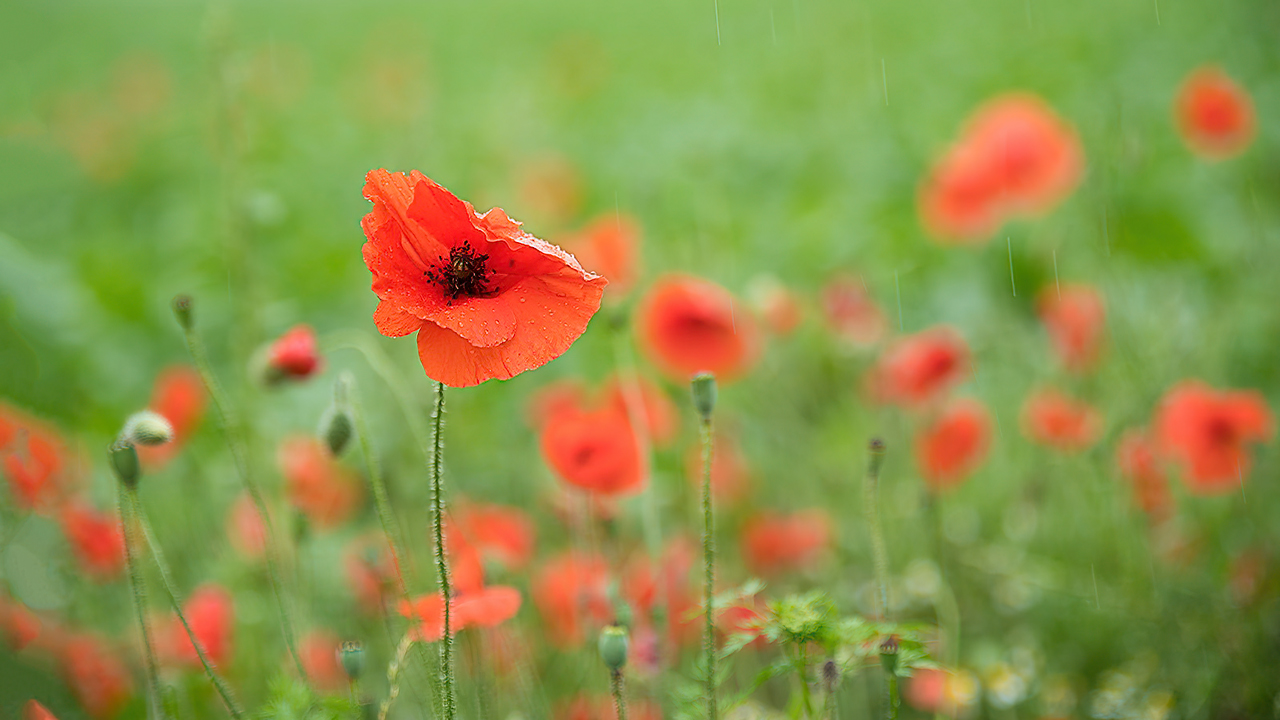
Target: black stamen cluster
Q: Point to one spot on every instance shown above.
(463, 274)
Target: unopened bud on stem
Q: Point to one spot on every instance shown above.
(182, 310)
(875, 450)
(124, 462)
(613, 647)
(351, 657)
(703, 386)
(147, 428)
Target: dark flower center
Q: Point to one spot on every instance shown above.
(462, 274)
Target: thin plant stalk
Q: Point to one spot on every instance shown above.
(709, 570)
(619, 700)
(450, 701)
(871, 500)
(157, 554)
(138, 593)
(233, 432)
(393, 674)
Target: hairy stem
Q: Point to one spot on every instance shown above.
(619, 700)
(158, 555)
(709, 570)
(139, 599)
(449, 698)
(393, 674)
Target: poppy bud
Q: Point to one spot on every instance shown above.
(830, 676)
(613, 647)
(182, 311)
(124, 462)
(293, 355)
(889, 654)
(351, 657)
(876, 449)
(336, 428)
(704, 394)
(147, 428)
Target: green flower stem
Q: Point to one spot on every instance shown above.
(228, 698)
(450, 701)
(139, 600)
(233, 432)
(871, 500)
(709, 570)
(619, 700)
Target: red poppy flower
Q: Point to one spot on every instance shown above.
(850, 313)
(370, 573)
(498, 531)
(487, 300)
(571, 594)
(1139, 462)
(928, 690)
(661, 418)
(689, 325)
(777, 306)
(954, 444)
(1214, 114)
(774, 544)
(557, 396)
(610, 246)
(211, 613)
(1051, 418)
(318, 650)
(1076, 320)
(95, 540)
(35, 711)
(645, 584)
(959, 201)
(34, 460)
(919, 369)
(601, 707)
(484, 607)
(1208, 432)
(730, 474)
(325, 490)
(594, 450)
(179, 396)
(294, 355)
(245, 530)
(746, 617)
(18, 625)
(96, 674)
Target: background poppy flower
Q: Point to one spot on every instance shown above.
(245, 530)
(776, 305)
(661, 419)
(646, 583)
(210, 610)
(481, 607)
(773, 544)
(1208, 433)
(570, 592)
(1076, 320)
(18, 625)
(96, 674)
(95, 540)
(1139, 461)
(33, 457)
(294, 355)
(318, 650)
(1051, 418)
(594, 450)
(370, 574)
(498, 531)
(488, 300)
(959, 200)
(1214, 114)
(35, 711)
(609, 245)
(954, 444)
(179, 396)
(850, 313)
(317, 484)
(1036, 156)
(919, 369)
(689, 325)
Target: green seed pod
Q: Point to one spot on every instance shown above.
(613, 647)
(704, 394)
(148, 428)
(124, 462)
(336, 428)
(182, 310)
(351, 656)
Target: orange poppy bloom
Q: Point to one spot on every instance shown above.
(646, 583)
(498, 531)
(954, 444)
(746, 617)
(487, 299)
(179, 396)
(18, 625)
(96, 673)
(35, 711)
(690, 325)
(850, 313)
(320, 486)
(1208, 432)
(776, 304)
(594, 450)
(919, 369)
(1076, 320)
(33, 457)
(1140, 464)
(294, 355)
(610, 245)
(1214, 114)
(95, 540)
(959, 200)
(773, 544)
(245, 530)
(318, 650)
(211, 613)
(661, 419)
(1051, 418)
(571, 594)
(370, 574)
(483, 607)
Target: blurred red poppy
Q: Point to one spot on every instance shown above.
(504, 533)
(1214, 114)
(324, 489)
(95, 538)
(850, 313)
(96, 674)
(1051, 418)
(647, 584)
(294, 355)
(1208, 432)
(730, 474)
(18, 625)
(179, 396)
(484, 607)
(661, 418)
(245, 530)
(777, 305)
(954, 444)
(34, 460)
(488, 300)
(919, 369)
(370, 573)
(745, 617)
(1075, 318)
(959, 200)
(570, 592)
(594, 450)
(609, 245)
(318, 650)
(1139, 461)
(210, 611)
(774, 544)
(689, 325)
(35, 711)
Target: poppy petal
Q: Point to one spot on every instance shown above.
(392, 321)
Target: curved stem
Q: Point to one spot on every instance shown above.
(450, 702)
(709, 571)
(393, 674)
(233, 432)
(156, 553)
(139, 598)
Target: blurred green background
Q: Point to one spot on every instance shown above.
(155, 148)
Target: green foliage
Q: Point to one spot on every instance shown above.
(291, 699)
